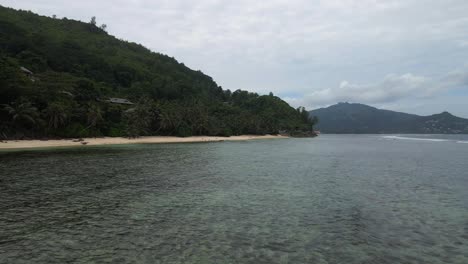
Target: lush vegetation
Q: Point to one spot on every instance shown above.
(77, 66)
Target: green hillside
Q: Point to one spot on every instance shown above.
(75, 68)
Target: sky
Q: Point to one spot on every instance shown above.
(403, 55)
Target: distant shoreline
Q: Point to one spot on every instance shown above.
(31, 144)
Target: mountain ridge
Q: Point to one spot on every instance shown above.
(355, 118)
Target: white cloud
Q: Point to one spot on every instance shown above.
(392, 89)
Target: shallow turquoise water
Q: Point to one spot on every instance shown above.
(332, 199)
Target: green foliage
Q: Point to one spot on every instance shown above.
(138, 119)
(22, 113)
(22, 117)
(13, 84)
(76, 67)
(94, 119)
(56, 115)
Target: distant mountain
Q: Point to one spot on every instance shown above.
(348, 118)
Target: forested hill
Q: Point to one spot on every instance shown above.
(65, 78)
(363, 119)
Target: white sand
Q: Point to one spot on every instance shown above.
(26, 144)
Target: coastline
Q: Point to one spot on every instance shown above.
(31, 144)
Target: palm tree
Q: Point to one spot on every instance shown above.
(140, 118)
(56, 115)
(199, 118)
(24, 118)
(4, 131)
(22, 113)
(165, 121)
(94, 115)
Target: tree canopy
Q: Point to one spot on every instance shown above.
(57, 75)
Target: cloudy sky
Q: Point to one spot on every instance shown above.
(405, 55)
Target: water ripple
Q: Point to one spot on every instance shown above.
(334, 199)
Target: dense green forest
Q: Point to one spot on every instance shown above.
(57, 78)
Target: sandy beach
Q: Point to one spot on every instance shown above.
(28, 144)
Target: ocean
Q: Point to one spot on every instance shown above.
(331, 199)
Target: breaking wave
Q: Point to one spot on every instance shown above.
(425, 139)
(418, 139)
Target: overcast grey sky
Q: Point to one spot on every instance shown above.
(405, 55)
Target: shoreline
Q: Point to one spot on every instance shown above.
(36, 143)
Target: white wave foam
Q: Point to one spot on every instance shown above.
(462, 142)
(419, 139)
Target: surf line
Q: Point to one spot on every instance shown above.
(418, 139)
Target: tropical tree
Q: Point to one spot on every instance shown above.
(93, 116)
(4, 131)
(22, 112)
(56, 115)
(165, 121)
(24, 117)
(140, 118)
